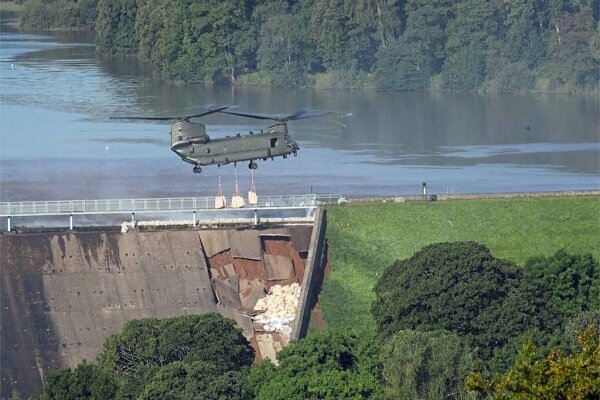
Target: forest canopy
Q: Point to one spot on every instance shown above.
(507, 45)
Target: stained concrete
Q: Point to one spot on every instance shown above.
(279, 267)
(245, 244)
(63, 294)
(215, 241)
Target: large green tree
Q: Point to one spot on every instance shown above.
(572, 281)
(115, 27)
(285, 51)
(555, 376)
(578, 324)
(326, 365)
(409, 63)
(426, 24)
(403, 65)
(473, 22)
(207, 41)
(389, 14)
(187, 357)
(462, 288)
(572, 60)
(62, 14)
(190, 338)
(345, 34)
(196, 380)
(524, 24)
(86, 381)
(425, 365)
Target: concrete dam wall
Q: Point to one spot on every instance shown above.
(63, 294)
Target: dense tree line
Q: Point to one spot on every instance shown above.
(504, 45)
(59, 14)
(453, 322)
(188, 357)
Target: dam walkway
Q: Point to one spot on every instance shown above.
(275, 205)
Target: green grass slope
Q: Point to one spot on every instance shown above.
(367, 237)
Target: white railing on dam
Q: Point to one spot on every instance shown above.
(117, 206)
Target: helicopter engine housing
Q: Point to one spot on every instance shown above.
(184, 133)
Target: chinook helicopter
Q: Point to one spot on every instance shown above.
(190, 141)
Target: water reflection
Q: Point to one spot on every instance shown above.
(57, 99)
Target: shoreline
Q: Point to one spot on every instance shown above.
(474, 196)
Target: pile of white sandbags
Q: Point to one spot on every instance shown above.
(278, 308)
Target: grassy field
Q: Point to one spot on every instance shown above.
(365, 238)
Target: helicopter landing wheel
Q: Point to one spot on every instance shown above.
(197, 169)
(252, 165)
(295, 153)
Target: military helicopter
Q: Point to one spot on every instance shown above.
(190, 141)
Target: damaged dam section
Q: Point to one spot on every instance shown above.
(64, 293)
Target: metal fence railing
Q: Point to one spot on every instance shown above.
(116, 206)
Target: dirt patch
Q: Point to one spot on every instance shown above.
(217, 263)
(277, 245)
(317, 321)
(283, 246)
(250, 269)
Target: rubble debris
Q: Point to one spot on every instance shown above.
(279, 308)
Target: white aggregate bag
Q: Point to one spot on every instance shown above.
(220, 202)
(237, 202)
(252, 197)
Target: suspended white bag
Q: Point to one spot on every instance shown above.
(252, 196)
(237, 201)
(220, 200)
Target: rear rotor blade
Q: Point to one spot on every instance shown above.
(205, 110)
(300, 114)
(307, 113)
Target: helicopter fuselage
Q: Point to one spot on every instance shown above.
(190, 141)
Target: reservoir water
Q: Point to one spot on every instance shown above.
(57, 141)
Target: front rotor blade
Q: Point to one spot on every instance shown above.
(273, 117)
(209, 110)
(147, 118)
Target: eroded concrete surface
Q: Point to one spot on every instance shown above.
(63, 294)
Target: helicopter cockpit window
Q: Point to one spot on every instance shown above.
(273, 142)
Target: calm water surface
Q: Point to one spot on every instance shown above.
(57, 141)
